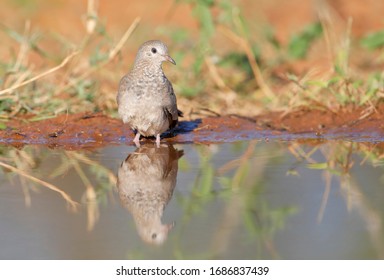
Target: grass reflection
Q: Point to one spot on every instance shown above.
(22, 163)
(224, 202)
(33, 167)
(239, 186)
(340, 162)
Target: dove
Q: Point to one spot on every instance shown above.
(146, 99)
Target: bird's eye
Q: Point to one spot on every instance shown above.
(154, 235)
(153, 50)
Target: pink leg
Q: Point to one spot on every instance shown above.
(137, 140)
(158, 140)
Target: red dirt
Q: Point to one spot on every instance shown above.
(94, 130)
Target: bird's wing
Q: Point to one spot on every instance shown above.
(171, 106)
(124, 86)
(168, 115)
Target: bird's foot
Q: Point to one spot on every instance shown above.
(158, 140)
(136, 140)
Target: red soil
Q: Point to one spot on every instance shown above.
(97, 130)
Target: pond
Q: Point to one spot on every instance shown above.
(245, 200)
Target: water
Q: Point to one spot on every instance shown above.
(245, 200)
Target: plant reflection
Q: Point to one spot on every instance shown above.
(340, 158)
(146, 180)
(238, 188)
(22, 164)
(227, 193)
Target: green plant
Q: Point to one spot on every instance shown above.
(373, 41)
(300, 43)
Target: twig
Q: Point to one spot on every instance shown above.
(210, 111)
(123, 39)
(91, 20)
(69, 200)
(24, 47)
(20, 84)
(215, 74)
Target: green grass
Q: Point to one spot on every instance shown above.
(344, 86)
(300, 43)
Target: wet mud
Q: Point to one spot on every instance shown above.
(94, 130)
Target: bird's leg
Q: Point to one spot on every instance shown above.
(158, 140)
(137, 140)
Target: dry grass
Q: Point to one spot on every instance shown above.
(87, 74)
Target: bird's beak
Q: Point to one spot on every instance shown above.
(170, 59)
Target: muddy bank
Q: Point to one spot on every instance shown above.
(93, 130)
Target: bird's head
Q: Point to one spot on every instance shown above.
(154, 52)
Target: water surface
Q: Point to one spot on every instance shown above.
(245, 200)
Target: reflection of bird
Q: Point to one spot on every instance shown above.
(146, 180)
(146, 100)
